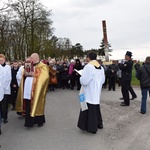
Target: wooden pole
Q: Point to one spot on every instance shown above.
(105, 40)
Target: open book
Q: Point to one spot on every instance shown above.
(79, 71)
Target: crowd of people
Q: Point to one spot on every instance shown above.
(24, 85)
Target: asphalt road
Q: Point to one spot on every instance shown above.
(124, 128)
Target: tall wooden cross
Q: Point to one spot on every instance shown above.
(105, 40)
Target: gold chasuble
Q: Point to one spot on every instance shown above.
(38, 93)
(39, 89)
(20, 105)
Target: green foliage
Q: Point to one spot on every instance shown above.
(101, 51)
(78, 50)
(134, 81)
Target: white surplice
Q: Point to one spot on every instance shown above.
(1, 83)
(7, 79)
(28, 88)
(19, 74)
(92, 80)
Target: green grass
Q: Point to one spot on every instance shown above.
(135, 81)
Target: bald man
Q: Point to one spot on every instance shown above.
(35, 98)
(35, 58)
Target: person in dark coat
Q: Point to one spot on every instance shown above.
(78, 66)
(144, 76)
(126, 68)
(14, 85)
(136, 67)
(112, 74)
(58, 68)
(64, 75)
(72, 74)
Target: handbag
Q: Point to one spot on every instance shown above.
(53, 80)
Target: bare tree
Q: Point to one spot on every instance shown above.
(3, 6)
(34, 22)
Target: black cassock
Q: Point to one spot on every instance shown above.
(90, 119)
(14, 90)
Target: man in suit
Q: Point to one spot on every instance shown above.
(126, 68)
(14, 84)
(112, 73)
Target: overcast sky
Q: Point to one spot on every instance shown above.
(128, 24)
(127, 21)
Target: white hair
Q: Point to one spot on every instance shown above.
(72, 60)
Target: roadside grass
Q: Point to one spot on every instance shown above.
(134, 81)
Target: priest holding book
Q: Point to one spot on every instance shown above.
(34, 93)
(92, 79)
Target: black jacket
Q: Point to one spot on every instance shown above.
(112, 70)
(64, 72)
(14, 79)
(126, 69)
(144, 76)
(137, 66)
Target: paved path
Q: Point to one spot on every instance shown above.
(124, 128)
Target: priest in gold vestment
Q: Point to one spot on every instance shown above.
(32, 93)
